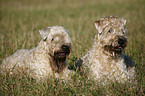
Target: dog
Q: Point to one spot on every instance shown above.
(48, 59)
(106, 62)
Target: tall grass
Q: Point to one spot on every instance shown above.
(21, 20)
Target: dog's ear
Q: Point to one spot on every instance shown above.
(44, 32)
(97, 25)
(123, 20)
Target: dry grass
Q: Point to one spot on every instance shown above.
(21, 20)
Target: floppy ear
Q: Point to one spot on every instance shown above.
(123, 20)
(97, 25)
(44, 32)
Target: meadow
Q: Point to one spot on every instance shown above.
(20, 21)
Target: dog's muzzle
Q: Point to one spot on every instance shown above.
(118, 48)
(63, 52)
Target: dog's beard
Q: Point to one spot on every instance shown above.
(59, 58)
(113, 50)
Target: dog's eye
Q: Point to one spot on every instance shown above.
(45, 39)
(52, 39)
(100, 33)
(110, 30)
(123, 30)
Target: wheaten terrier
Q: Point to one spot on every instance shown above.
(105, 61)
(47, 59)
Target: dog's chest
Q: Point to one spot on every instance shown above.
(108, 68)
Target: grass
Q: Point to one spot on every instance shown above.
(21, 20)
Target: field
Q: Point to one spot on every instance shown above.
(20, 21)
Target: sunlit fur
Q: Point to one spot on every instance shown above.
(47, 59)
(105, 61)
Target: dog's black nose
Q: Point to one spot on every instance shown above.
(65, 47)
(121, 41)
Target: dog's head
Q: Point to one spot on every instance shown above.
(112, 34)
(58, 44)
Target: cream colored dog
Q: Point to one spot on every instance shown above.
(105, 61)
(47, 59)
